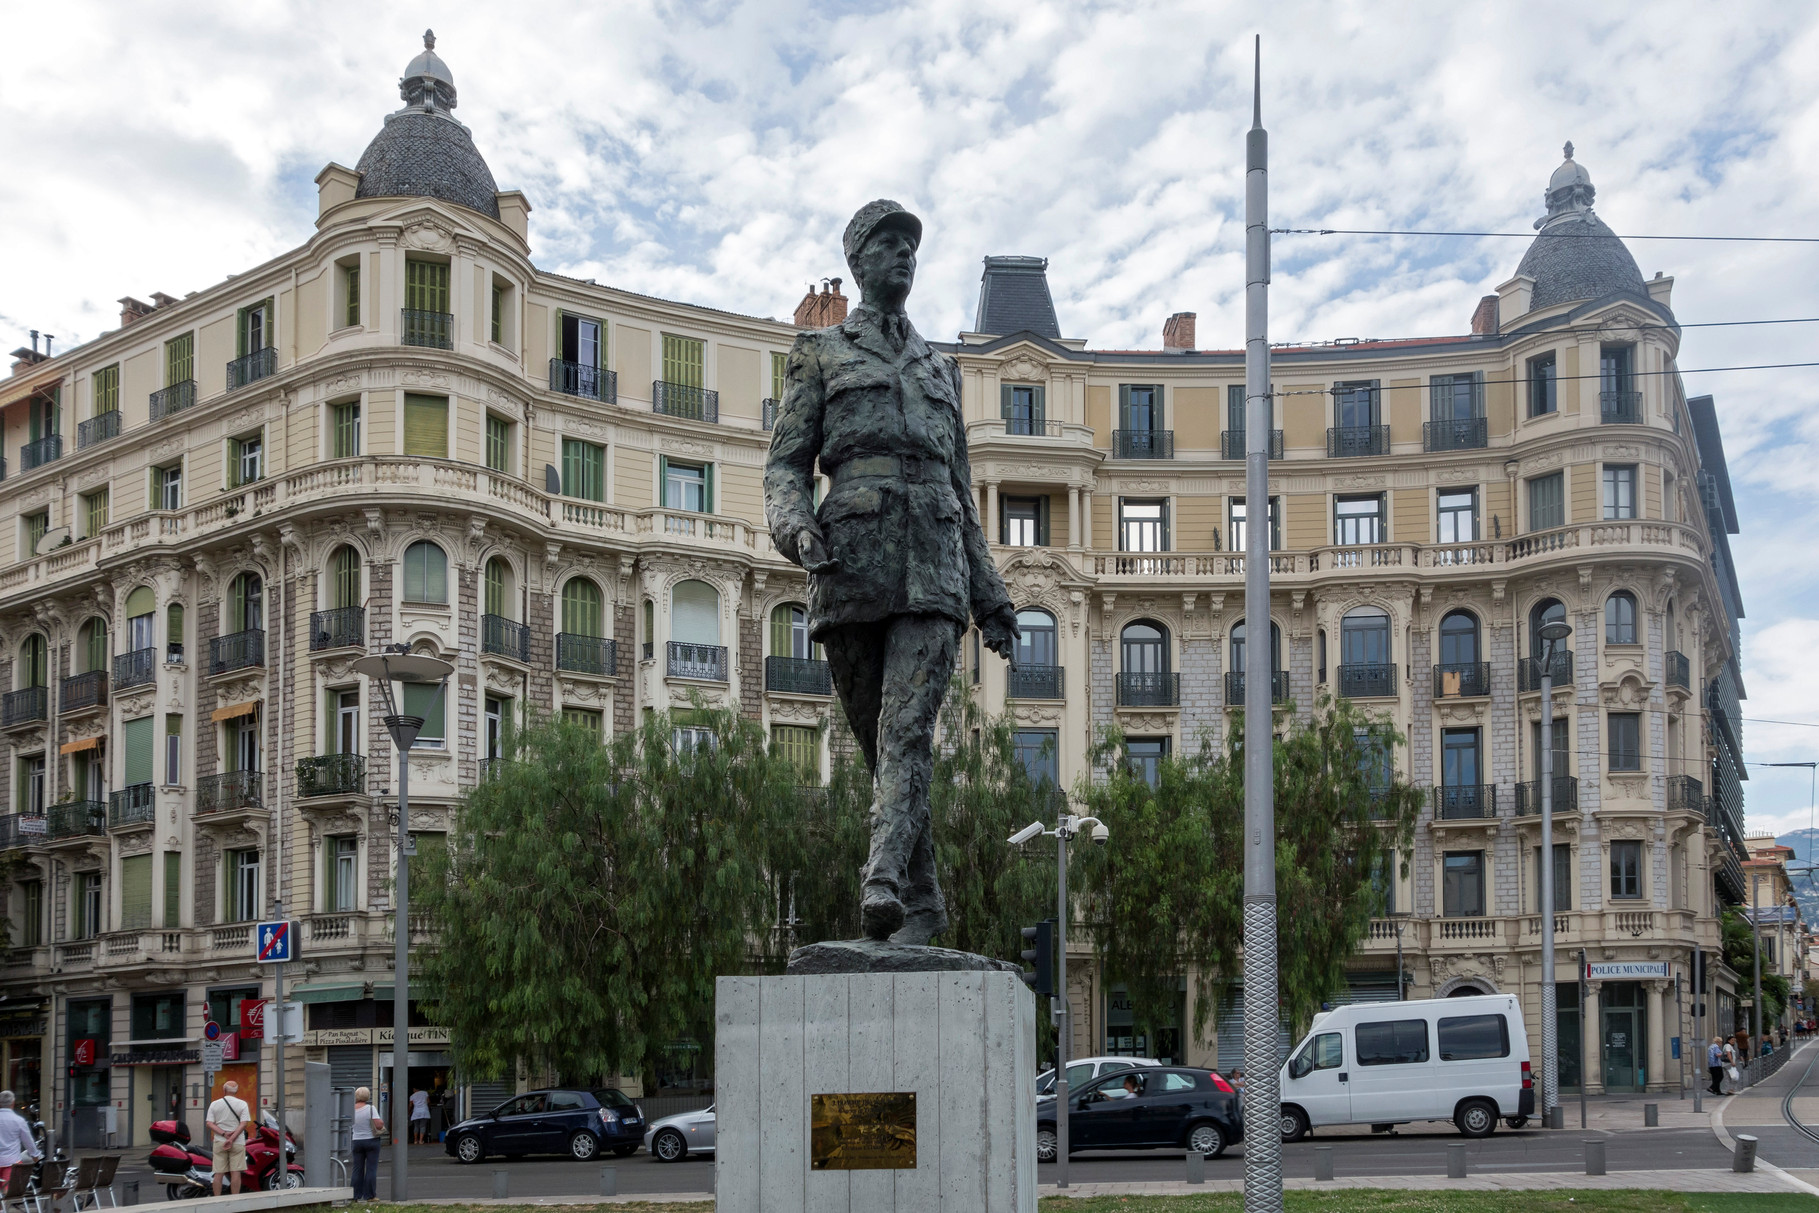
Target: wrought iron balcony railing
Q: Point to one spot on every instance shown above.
(236, 651)
(1465, 801)
(1037, 682)
(1231, 444)
(173, 399)
(798, 676)
(768, 412)
(1686, 794)
(598, 655)
(1345, 441)
(74, 818)
(432, 330)
(1234, 687)
(705, 662)
(37, 454)
(1460, 680)
(331, 775)
(24, 706)
(1458, 434)
(133, 805)
(1149, 690)
(228, 791)
(1565, 793)
(83, 691)
(1620, 408)
(337, 628)
(1367, 679)
(21, 830)
(583, 380)
(1679, 670)
(1528, 671)
(135, 669)
(98, 428)
(506, 637)
(251, 368)
(1143, 444)
(681, 400)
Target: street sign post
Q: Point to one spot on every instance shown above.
(275, 942)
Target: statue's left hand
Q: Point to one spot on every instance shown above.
(999, 630)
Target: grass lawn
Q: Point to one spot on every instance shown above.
(1367, 1201)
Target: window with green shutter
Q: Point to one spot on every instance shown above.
(583, 470)
(498, 443)
(498, 315)
(37, 526)
(430, 702)
(137, 742)
(798, 745)
(581, 608)
(31, 912)
(1547, 502)
(255, 328)
(179, 359)
(425, 573)
(135, 892)
(107, 390)
(32, 661)
(789, 632)
(344, 427)
(350, 294)
(779, 374)
(94, 513)
(426, 285)
(498, 576)
(684, 360)
(584, 718)
(345, 571)
(426, 425)
(173, 889)
(94, 645)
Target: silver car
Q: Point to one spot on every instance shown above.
(674, 1138)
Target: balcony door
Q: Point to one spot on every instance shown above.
(1459, 641)
(1238, 648)
(1036, 645)
(1145, 649)
(1364, 637)
(347, 722)
(1459, 758)
(1355, 405)
(1140, 411)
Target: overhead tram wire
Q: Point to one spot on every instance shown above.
(1530, 235)
(1571, 330)
(1691, 370)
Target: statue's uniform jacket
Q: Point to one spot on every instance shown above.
(900, 516)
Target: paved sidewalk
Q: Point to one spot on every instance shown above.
(1555, 1181)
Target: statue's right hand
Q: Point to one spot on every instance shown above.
(812, 554)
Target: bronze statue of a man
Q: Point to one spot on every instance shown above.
(896, 560)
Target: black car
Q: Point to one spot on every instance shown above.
(579, 1124)
(1145, 1108)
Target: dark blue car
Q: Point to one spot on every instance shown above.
(579, 1124)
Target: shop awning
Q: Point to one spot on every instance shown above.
(383, 991)
(328, 991)
(74, 747)
(235, 709)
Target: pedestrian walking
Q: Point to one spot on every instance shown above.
(16, 1141)
(367, 1132)
(1714, 1063)
(419, 1116)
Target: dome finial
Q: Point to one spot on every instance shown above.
(1569, 191)
(1568, 150)
(429, 44)
(427, 82)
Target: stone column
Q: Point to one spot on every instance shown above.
(1657, 1037)
(1073, 517)
(990, 518)
(1086, 518)
(1592, 1034)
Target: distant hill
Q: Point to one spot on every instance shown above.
(1806, 884)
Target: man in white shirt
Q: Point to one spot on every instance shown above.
(15, 1138)
(228, 1121)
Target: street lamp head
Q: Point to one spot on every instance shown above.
(404, 667)
(1556, 630)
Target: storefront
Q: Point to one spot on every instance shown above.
(1125, 1037)
(22, 1051)
(87, 1048)
(157, 1054)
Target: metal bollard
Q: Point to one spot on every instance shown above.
(1455, 1160)
(1323, 1163)
(1744, 1160)
(1196, 1167)
(1594, 1156)
(1651, 1116)
(609, 1181)
(499, 1185)
(130, 1192)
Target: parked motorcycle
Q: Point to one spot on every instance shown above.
(187, 1171)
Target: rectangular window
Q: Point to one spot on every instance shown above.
(94, 513)
(1391, 1042)
(1143, 756)
(88, 907)
(1024, 522)
(498, 443)
(1456, 397)
(585, 718)
(137, 748)
(135, 892)
(343, 855)
(344, 424)
(31, 913)
(1038, 751)
(582, 343)
(167, 487)
(1626, 869)
(31, 784)
(173, 750)
(1563, 876)
(1458, 516)
(684, 361)
(1140, 408)
(1356, 405)
(1240, 537)
(350, 294)
(431, 703)
(1142, 526)
(107, 390)
(800, 746)
(1543, 386)
(173, 889)
(688, 486)
(496, 329)
(426, 426)
(1358, 520)
(243, 744)
(242, 886)
(779, 374)
(1625, 730)
(1459, 758)
(37, 526)
(248, 459)
(1022, 407)
(1619, 491)
(1462, 884)
(426, 285)
(1473, 1037)
(583, 470)
(346, 739)
(1616, 368)
(255, 329)
(1547, 502)
(179, 359)
(498, 720)
(1237, 415)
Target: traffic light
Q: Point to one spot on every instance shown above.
(1041, 954)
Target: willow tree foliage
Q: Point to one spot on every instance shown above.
(1740, 942)
(1166, 897)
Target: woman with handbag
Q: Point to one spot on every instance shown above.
(368, 1132)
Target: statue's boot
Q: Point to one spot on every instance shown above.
(920, 927)
(880, 911)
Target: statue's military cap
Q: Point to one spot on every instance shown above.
(881, 212)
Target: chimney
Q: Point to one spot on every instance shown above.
(162, 300)
(1178, 332)
(1485, 322)
(133, 310)
(824, 310)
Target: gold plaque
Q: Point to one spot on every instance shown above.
(866, 1131)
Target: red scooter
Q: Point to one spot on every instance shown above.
(187, 1171)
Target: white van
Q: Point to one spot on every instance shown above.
(1387, 1063)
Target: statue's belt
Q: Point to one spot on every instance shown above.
(913, 469)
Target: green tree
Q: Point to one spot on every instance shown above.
(1166, 897)
(1740, 954)
(591, 893)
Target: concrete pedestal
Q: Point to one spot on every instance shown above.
(963, 1042)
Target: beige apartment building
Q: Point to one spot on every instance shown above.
(403, 431)
(1774, 912)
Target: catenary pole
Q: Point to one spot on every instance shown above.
(401, 992)
(1262, 1090)
(1064, 1020)
(1550, 1021)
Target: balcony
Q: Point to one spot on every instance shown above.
(1620, 408)
(1459, 434)
(255, 366)
(1685, 794)
(175, 398)
(1036, 682)
(767, 412)
(1462, 681)
(134, 805)
(81, 692)
(331, 775)
(135, 669)
(1679, 670)
(1566, 796)
(23, 707)
(21, 830)
(1234, 687)
(1032, 427)
(704, 662)
(1149, 690)
(1346, 441)
(338, 628)
(1528, 671)
(596, 655)
(431, 330)
(1465, 801)
(1143, 444)
(236, 651)
(798, 676)
(580, 379)
(1368, 680)
(98, 428)
(37, 454)
(688, 403)
(505, 638)
(228, 791)
(75, 819)
(1231, 444)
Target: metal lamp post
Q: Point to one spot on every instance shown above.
(398, 664)
(1551, 635)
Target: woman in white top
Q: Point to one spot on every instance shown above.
(367, 1132)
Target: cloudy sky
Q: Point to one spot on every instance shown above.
(712, 151)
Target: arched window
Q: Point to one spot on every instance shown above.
(33, 662)
(1238, 647)
(246, 603)
(789, 632)
(1145, 648)
(1459, 640)
(93, 645)
(1545, 611)
(1036, 646)
(140, 607)
(695, 613)
(344, 578)
(499, 588)
(1620, 618)
(582, 614)
(425, 573)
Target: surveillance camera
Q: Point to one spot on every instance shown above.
(1101, 835)
(1026, 833)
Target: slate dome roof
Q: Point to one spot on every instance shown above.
(422, 151)
(1577, 256)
